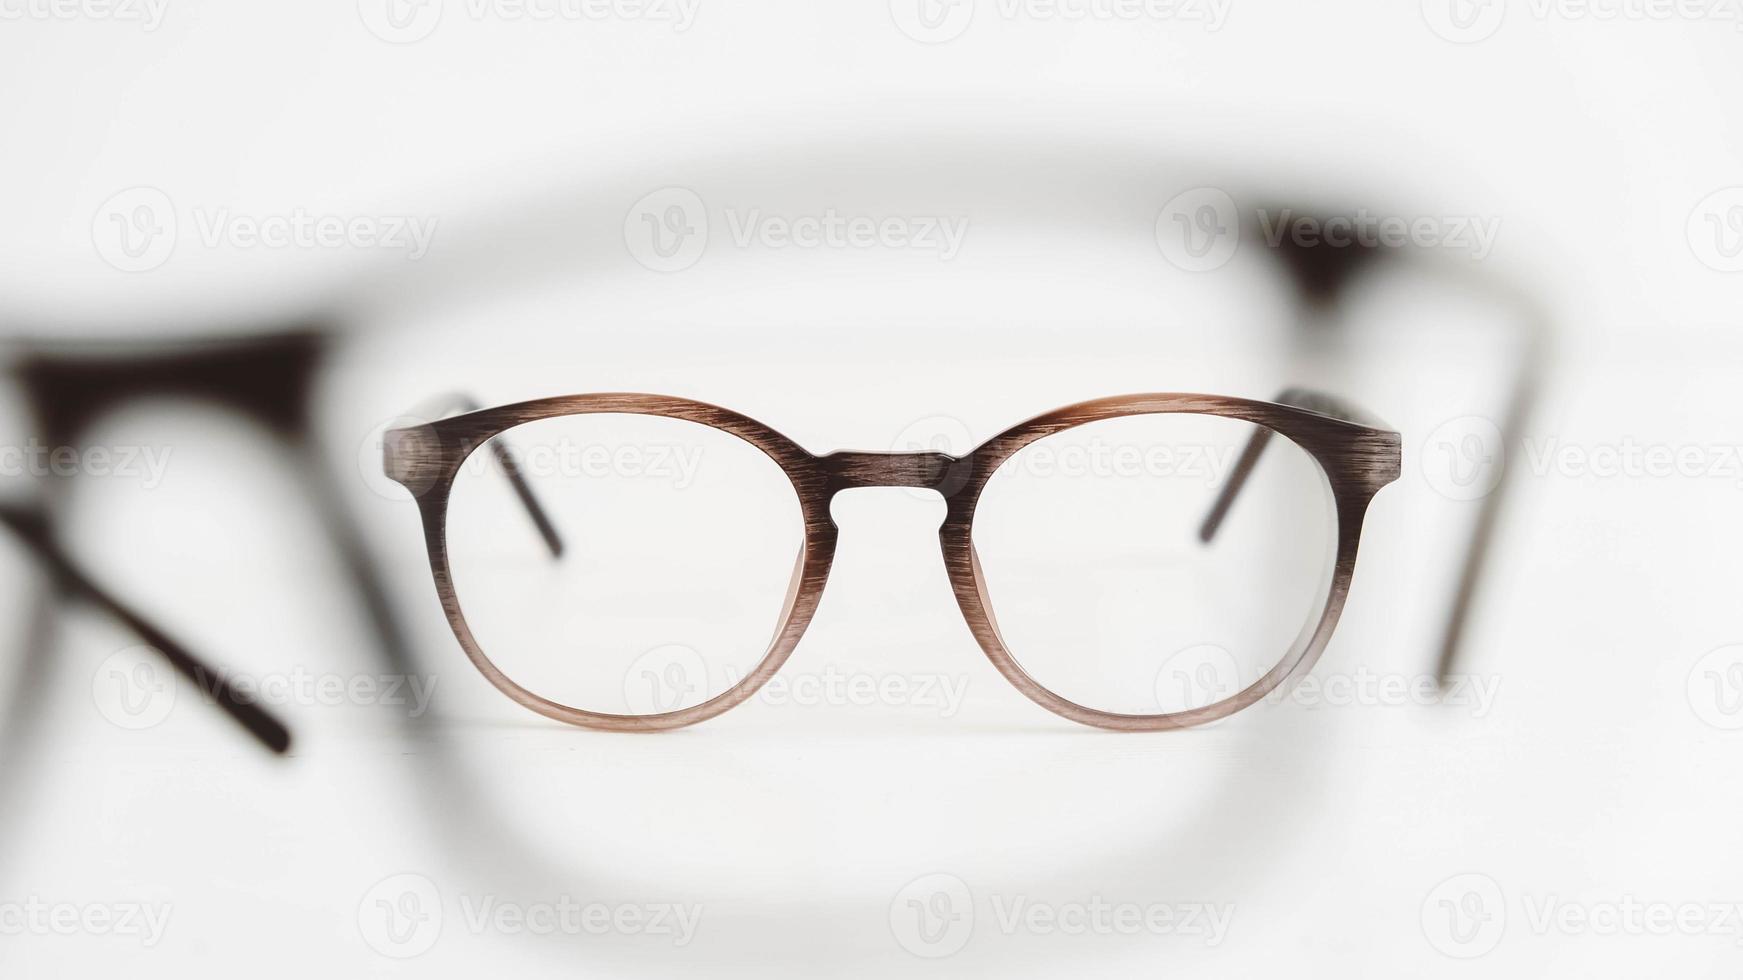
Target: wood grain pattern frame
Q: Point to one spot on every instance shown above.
(1357, 459)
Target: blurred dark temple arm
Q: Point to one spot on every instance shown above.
(458, 403)
(31, 527)
(267, 378)
(1322, 273)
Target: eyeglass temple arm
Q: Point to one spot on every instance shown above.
(1313, 401)
(459, 403)
(32, 529)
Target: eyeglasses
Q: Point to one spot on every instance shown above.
(266, 378)
(676, 551)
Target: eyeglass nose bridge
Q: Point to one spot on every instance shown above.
(940, 472)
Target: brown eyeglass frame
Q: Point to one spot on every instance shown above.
(1357, 453)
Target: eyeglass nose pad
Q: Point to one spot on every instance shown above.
(792, 590)
(986, 604)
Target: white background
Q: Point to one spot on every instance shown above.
(1600, 777)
